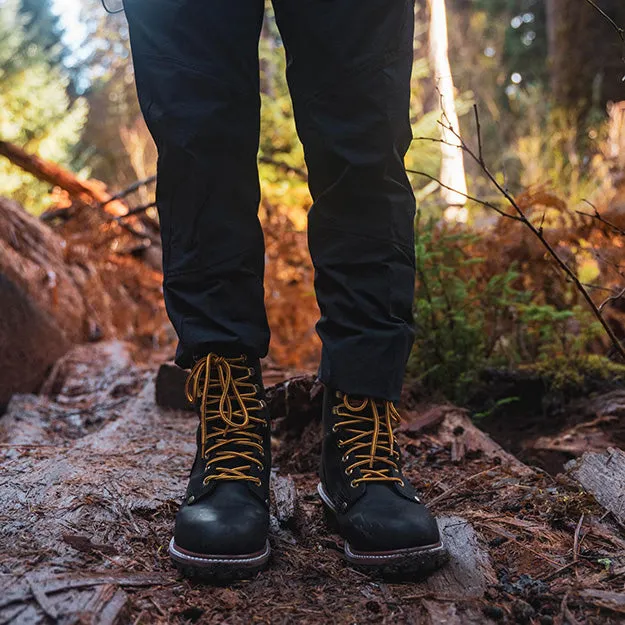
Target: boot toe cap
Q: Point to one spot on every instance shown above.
(210, 529)
(390, 525)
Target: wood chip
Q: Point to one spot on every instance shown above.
(603, 475)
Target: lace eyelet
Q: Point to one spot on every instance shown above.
(334, 429)
(256, 389)
(344, 458)
(205, 481)
(335, 410)
(348, 472)
(402, 483)
(251, 371)
(353, 485)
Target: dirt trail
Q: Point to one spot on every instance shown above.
(93, 470)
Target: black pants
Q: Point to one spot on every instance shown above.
(349, 66)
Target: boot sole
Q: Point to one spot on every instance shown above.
(218, 568)
(414, 563)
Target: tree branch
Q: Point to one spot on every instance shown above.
(268, 160)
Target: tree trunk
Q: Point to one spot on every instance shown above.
(452, 164)
(585, 54)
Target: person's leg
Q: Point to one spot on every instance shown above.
(197, 73)
(197, 76)
(349, 72)
(349, 68)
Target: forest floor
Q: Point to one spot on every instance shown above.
(93, 470)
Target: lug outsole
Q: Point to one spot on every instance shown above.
(401, 564)
(218, 569)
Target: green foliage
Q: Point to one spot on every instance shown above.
(42, 28)
(551, 146)
(450, 320)
(35, 109)
(565, 374)
(467, 321)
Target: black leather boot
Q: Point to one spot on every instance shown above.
(373, 506)
(221, 528)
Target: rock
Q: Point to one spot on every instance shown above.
(30, 342)
(169, 387)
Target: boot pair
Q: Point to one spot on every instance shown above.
(222, 526)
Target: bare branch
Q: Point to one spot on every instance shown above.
(130, 189)
(620, 31)
(268, 160)
(479, 135)
(613, 298)
(597, 215)
(469, 197)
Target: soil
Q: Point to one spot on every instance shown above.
(546, 427)
(93, 471)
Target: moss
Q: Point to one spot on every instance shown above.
(581, 372)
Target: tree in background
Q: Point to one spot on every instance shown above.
(115, 142)
(585, 54)
(452, 176)
(36, 110)
(43, 29)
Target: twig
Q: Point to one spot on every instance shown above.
(140, 235)
(458, 486)
(469, 197)
(479, 135)
(268, 160)
(578, 529)
(130, 189)
(620, 31)
(613, 298)
(548, 576)
(599, 217)
(566, 613)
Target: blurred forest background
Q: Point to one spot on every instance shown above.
(546, 77)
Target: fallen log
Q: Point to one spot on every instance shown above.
(87, 191)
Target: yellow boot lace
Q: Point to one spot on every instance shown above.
(371, 442)
(227, 424)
